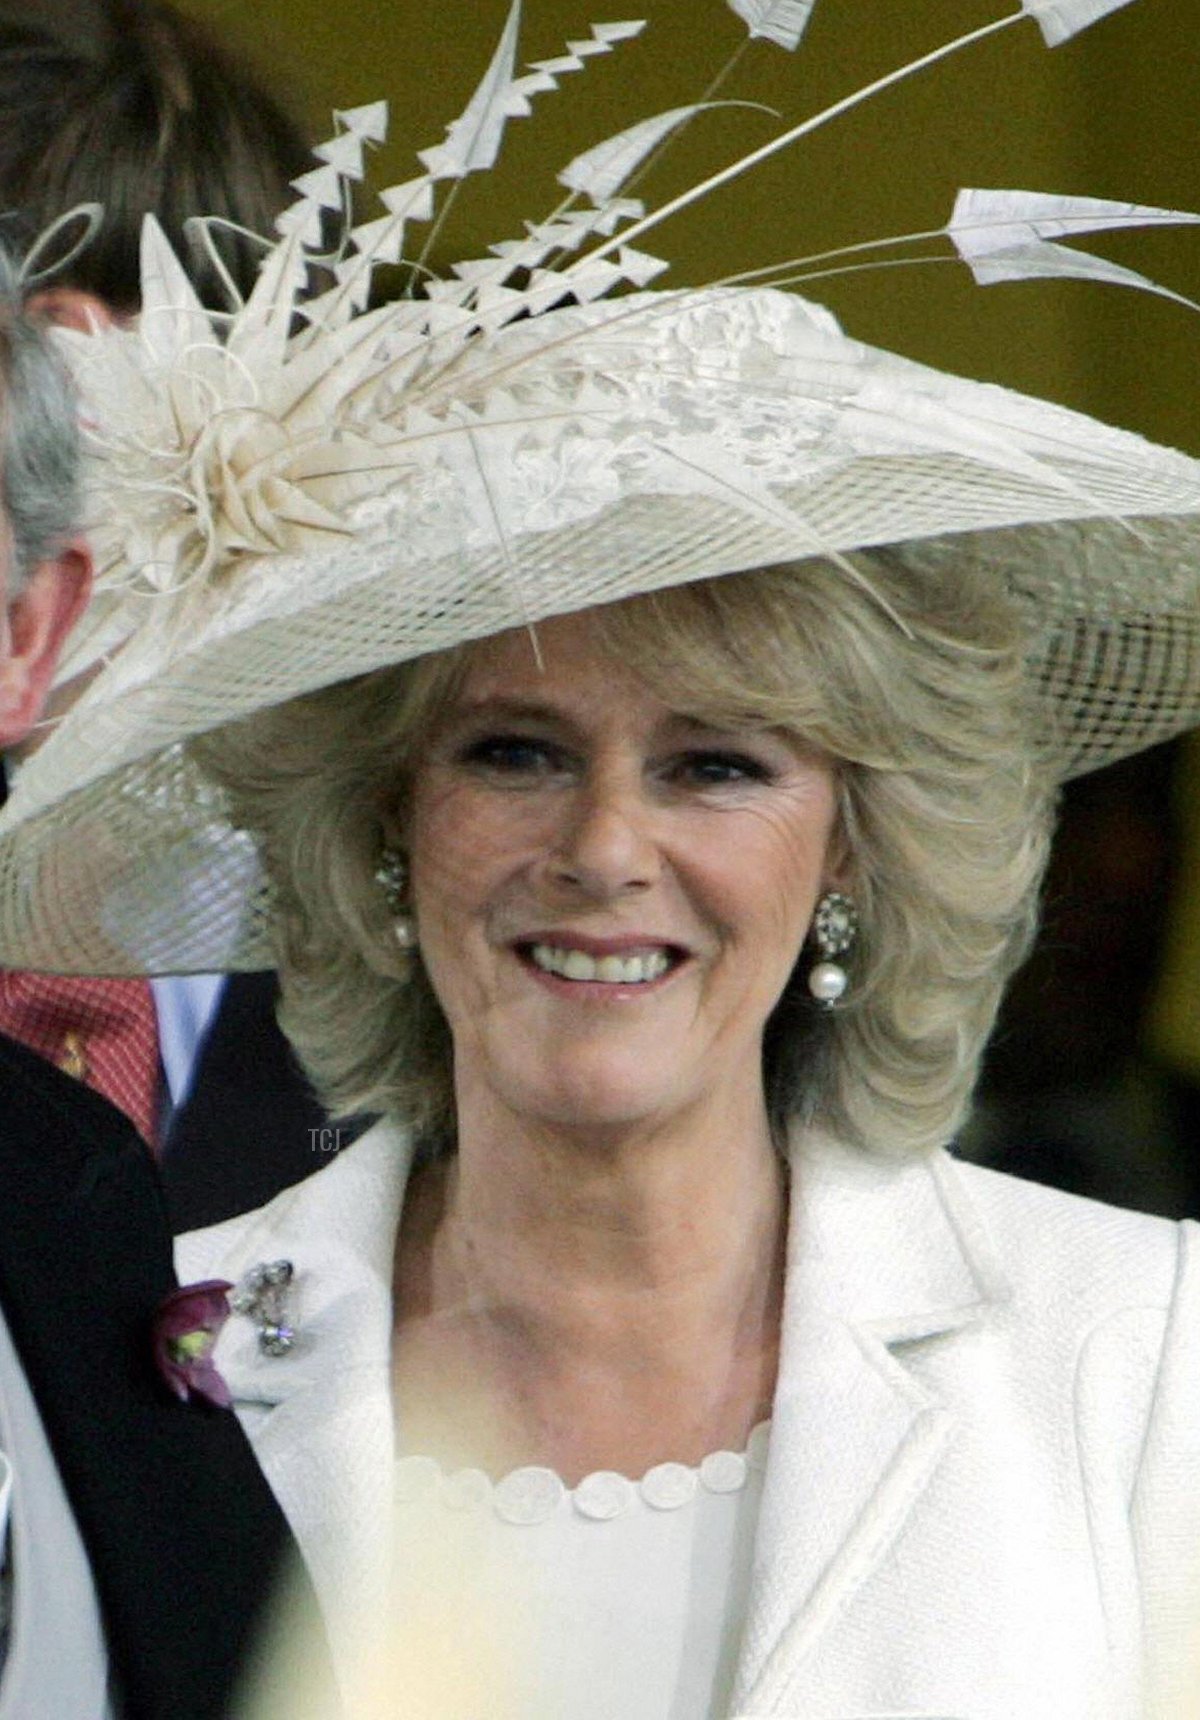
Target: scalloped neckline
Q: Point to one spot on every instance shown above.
(532, 1493)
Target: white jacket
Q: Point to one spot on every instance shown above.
(982, 1499)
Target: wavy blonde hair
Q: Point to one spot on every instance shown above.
(906, 670)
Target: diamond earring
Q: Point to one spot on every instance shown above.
(392, 877)
(834, 928)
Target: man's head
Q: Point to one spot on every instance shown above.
(45, 570)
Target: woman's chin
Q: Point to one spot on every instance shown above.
(595, 1094)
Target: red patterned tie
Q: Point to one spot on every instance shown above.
(103, 1031)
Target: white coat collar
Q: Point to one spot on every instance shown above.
(881, 1256)
(320, 1417)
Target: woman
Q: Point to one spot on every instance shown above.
(651, 849)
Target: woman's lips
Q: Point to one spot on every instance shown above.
(628, 964)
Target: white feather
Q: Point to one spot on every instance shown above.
(345, 153)
(413, 200)
(780, 21)
(601, 171)
(370, 122)
(639, 267)
(173, 320)
(1009, 236)
(381, 240)
(619, 30)
(986, 221)
(1041, 260)
(1058, 20)
(601, 41)
(303, 218)
(322, 186)
(473, 139)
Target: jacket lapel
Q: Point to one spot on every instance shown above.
(320, 1417)
(182, 1533)
(881, 1257)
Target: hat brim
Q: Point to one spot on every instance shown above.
(589, 455)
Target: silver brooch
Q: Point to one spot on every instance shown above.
(262, 1295)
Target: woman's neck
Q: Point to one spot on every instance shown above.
(593, 1302)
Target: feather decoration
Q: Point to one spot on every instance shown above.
(369, 122)
(343, 153)
(321, 186)
(779, 21)
(1059, 20)
(302, 218)
(473, 140)
(986, 221)
(600, 171)
(786, 139)
(263, 326)
(172, 318)
(42, 261)
(603, 39)
(1009, 236)
(1040, 260)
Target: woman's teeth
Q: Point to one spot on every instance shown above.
(609, 970)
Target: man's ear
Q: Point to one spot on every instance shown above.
(71, 307)
(33, 629)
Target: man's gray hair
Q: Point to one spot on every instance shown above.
(39, 435)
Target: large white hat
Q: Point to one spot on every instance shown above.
(309, 489)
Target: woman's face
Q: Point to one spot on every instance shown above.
(609, 896)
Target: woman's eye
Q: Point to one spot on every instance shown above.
(711, 769)
(512, 755)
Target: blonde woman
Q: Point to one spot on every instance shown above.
(632, 728)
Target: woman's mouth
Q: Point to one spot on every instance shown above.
(636, 965)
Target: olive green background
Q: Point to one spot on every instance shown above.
(1111, 113)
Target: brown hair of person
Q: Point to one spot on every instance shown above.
(131, 105)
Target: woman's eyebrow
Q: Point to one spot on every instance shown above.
(507, 710)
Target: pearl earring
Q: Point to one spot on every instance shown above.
(392, 877)
(834, 928)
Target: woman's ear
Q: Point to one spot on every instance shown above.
(392, 812)
(839, 870)
(33, 628)
(72, 307)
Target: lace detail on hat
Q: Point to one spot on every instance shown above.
(532, 1494)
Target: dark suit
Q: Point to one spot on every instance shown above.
(251, 1124)
(182, 1531)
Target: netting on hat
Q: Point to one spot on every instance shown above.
(576, 459)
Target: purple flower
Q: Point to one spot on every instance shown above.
(185, 1331)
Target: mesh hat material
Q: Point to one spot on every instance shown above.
(576, 459)
(304, 489)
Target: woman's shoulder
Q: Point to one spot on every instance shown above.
(1069, 1249)
(1049, 1268)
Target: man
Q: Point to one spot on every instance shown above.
(141, 1536)
(133, 105)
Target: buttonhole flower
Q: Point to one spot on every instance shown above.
(185, 1330)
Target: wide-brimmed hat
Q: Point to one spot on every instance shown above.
(309, 489)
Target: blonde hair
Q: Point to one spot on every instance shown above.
(907, 672)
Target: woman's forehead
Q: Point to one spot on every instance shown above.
(541, 663)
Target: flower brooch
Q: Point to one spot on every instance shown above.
(189, 1321)
(186, 1328)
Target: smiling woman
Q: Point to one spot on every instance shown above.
(920, 729)
(632, 725)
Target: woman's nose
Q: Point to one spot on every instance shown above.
(607, 843)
